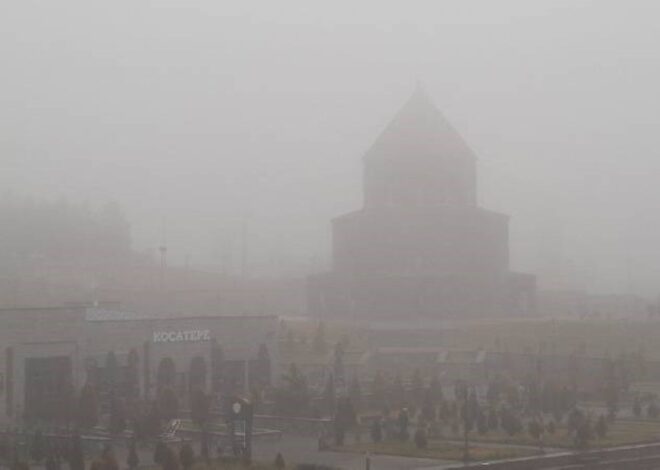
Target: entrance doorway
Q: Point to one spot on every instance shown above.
(197, 374)
(49, 392)
(166, 374)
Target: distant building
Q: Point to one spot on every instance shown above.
(619, 306)
(478, 367)
(567, 302)
(420, 246)
(578, 303)
(317, 366)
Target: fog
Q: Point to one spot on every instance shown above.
(208, 121)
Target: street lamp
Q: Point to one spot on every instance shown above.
(469, 413)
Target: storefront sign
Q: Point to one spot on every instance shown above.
(180, 336)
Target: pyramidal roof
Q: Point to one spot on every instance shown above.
(419, 130)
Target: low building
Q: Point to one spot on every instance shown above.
(50, 353)
(403, 361)
(619, 306)
(316, 367)
(562, 303)
(467, 366)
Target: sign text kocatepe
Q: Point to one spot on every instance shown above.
(179, 336)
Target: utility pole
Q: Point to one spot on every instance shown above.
(163, 264)
(163, 253)
(244, 249)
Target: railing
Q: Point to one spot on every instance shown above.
(169, 433)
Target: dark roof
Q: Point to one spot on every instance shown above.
(419, 130)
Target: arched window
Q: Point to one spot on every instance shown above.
(263, 366)
(217, 363)
(132, 374)
(166, 373)
(197, 374)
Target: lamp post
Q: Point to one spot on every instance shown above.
(467, 420)
(240, 415)
(466, 442)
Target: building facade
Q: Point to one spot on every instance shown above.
(51, 353)
(420, 246)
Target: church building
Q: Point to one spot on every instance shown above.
(420, 246)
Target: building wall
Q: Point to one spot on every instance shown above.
(439, 241)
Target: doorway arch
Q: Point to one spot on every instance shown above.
(197, 374)
(166, 373)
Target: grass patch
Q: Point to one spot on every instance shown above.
(226, 464)
(623, 432)
(188, 425)
(440, 450)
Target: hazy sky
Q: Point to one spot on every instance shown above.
(197, 115)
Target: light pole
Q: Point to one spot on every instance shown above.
(163, 264)
(467, 419)
(466, 442)
(246, 378)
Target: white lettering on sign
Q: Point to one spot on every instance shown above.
(179, 336)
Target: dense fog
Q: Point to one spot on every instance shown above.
(223, 126)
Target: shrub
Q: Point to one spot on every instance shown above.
(421, 440)
(279, 463)
(186, 456)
